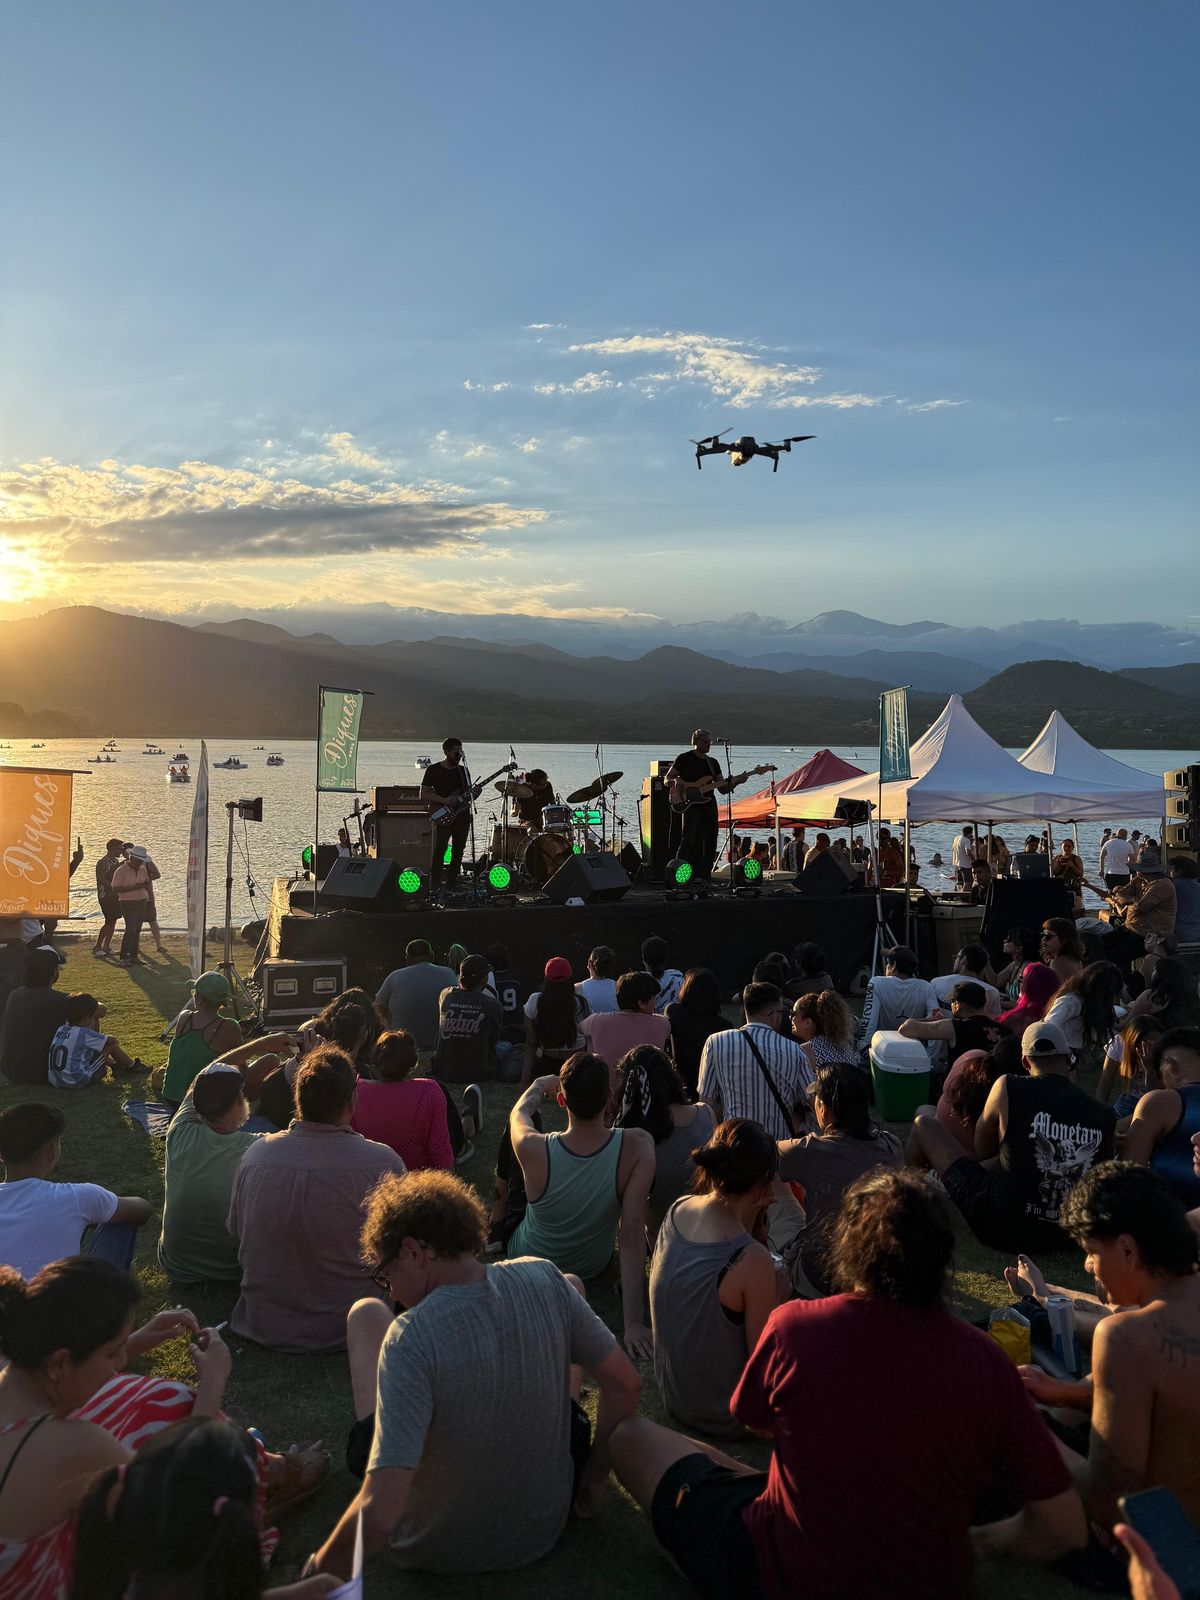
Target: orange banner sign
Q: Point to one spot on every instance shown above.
(35, 832)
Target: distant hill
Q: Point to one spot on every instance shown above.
(1183, 679)
(17, 723)
(923, 670)
(1107, 708)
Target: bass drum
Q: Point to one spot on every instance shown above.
(543, 855)
(506, 843)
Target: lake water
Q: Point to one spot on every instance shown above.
(131, 798)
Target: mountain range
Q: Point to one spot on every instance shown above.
(107, 672)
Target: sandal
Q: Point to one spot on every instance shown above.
(305, 1468)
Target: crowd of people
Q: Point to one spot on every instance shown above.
(771, 1240)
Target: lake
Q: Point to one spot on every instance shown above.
(132, 798)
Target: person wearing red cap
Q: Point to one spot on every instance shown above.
(552, 1019)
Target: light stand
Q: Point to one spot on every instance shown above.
(237, 987)
(728, 816)
(476, 892)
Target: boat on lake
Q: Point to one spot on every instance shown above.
(230, 764)
(178, 775)
(275, 759)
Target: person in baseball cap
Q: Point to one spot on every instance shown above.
(212, 987)
(1042, 1041)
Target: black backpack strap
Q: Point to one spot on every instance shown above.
(29, 1433)
(784, 1112)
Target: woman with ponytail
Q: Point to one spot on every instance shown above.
(823, 1027)
(712, 1280)
(180, 1521)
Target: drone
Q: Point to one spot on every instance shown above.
(742, 450)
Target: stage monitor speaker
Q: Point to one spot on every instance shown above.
(628, 857)
(593, 878)
(361, 883)
(1027, 904)
(327, 854)
(822, 877)
(407, 836)
(1030, 864)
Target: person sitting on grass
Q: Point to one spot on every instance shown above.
(1130, 1063)
(656, 959)
(468, 1026)
(968, 1027)
(79, 1052)
(584, 1188)
(471, 1458)
(974, 963)
(1164, 1120)
(599, 988)
(180, 1521)
(1142, 1397)
(895, 996)
(33, 1014)
(296, 1210)
(613, 1034)
(968, 1084)
(409, 1115)
(1085, 1007)
(42, 1221)
(69, 1410)
(1036, 988)
(1021, 946)
(823, 1026)
(409, 996)
(1036, 1137)
(201, 1035)
(837, 1532)
(694, 1018)
(553, 1018)
(205, 1144)
(651, 1095)
(712, 1279)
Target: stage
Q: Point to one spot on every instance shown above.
(726, 933)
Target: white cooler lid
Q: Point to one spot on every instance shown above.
(892, 1052)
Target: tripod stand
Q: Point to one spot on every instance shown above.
(237, 987)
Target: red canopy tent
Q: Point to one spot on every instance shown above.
(758, 810)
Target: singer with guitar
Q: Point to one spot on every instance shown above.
(450, 795)
(693, 782)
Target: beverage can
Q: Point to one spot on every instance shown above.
(1061, 1312)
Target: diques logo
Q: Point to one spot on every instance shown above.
(339, 750)
(38, 847)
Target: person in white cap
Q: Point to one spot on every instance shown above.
(1034, 1140)
(131, 884)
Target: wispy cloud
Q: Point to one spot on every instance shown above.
(535, 326)
(343, 448)
(586, 383)
(528, 446)
(200, 511)
(486, 388)
(935, 405)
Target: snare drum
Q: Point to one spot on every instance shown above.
(543, 855)
(557, 818)
(506, 843)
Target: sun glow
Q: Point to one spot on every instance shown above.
(20, 575)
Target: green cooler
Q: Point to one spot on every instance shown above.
(900, 1075)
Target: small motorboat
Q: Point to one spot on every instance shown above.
(38, 746)
(181, 755)
(275, 759)
(179, 775)
(230, 764)
(258, 747)
(422, 762)
(101, 761)
(153, 750)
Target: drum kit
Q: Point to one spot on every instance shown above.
(536, 851)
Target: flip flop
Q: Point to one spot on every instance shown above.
(305, 1468)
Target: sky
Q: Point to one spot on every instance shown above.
(370, 303)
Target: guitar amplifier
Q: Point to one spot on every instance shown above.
(405, 836)
(397, 797)
(293, 991)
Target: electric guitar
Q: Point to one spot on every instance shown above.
(686, 795)
(446, 810)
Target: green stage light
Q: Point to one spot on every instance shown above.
(499, 877)
(751, 869)
(679, 873)
(587, 817)
(306, 858)
(410, 881)
(446, 857)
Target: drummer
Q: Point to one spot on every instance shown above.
(541, 793)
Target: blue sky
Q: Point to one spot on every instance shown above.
(422, 305)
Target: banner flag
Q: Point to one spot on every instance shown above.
(35, 830)
(337, 738)
(893, 736)
(197, 869)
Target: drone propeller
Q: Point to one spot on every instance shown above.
(798, 438)
(710, 438)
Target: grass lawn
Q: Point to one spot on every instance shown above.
(297, 1398)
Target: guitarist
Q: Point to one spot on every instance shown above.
(445, 782)
(701, 821)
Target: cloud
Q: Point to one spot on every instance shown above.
(937, 405)
(485, 388)
(528, 446)
(730, 369)
(534, 326)
(343, 448)
(200, 511)
(587, 383)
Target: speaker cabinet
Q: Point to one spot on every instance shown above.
(361, 883)
(658, 824)
(823, 877)
(406, 836)
(628, 857)
(592, 878)
(327, 854)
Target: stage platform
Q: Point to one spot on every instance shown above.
(725, 933)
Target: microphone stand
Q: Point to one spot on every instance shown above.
(471, 814)
(729, 815)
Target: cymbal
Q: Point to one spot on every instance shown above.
(514, 790)
(595, 789)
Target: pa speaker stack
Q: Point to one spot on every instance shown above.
(361, 883)
(1181, 808)
(593, 878)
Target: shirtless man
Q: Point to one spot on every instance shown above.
(1145, 1400)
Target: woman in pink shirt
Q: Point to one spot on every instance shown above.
(406, 1113)
(612, 1034)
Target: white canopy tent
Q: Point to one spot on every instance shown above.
(959, 774)
(1123, 791)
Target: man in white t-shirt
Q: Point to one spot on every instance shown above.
(962, 855)
(599, 988)
(899, 994)
(655, 959)
(971, 962)
(41, 1221)
(1114, 859)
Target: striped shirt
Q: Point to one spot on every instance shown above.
(730, 1075)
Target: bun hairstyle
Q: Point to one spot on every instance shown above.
(740, 1156)
(178, 1518)
(75, 1305)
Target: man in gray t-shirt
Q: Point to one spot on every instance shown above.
(476, 1430)
(409, 996)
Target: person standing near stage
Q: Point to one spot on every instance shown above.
(701, 820)
(445, 783)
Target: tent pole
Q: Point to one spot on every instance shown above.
(907, 878)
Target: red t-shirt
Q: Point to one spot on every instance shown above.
(888, 1423)
(409, 1116)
